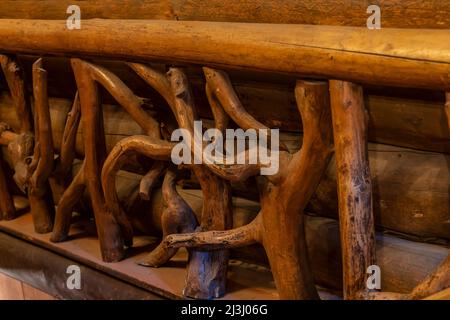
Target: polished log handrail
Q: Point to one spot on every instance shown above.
(396, 57)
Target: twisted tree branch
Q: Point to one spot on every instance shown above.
(177, 217)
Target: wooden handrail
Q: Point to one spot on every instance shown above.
(394, 57)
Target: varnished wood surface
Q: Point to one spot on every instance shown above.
(245, 282)
(395, 13)
(397, 57)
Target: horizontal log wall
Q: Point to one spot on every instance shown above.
(395, 13)
(410, 187)
(410, 118)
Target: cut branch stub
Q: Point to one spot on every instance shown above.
(150, 179)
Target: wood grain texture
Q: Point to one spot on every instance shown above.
(41, 166)
(407, 118)
(279, 225)
(354, 185)
(404, 263)
(395, 13)
(409, 186)
(397, 57)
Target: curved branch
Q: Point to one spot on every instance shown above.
(150, 147)
(218, 240)
(221, 86)
(126, 98)
(150, 179)
(177, 217)
(156, 79)
(221, 118)
(67, 154)
(65, 207)
(307, 165)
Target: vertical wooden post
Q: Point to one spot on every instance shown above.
(109, 233)
(14, 76)
(39, 193)
(7, 210)
(354, 185)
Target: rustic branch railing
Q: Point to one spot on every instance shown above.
(346, 56)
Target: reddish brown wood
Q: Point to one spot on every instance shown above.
(63, 171)
(396, 13)
(41, 167)
(283, 199)
(7, 210)
(109, 231)
(14, 75)
(20, 145)
(177, 217)
(397, 57)
(150, 179)
(354, 185)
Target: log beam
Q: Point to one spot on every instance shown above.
(397, 57)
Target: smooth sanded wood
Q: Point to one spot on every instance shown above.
(397, 57)
(395, 13)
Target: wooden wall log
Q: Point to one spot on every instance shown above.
(409, 118)
(409, 186)
(410, 192)
(396, 56)
(395, 13)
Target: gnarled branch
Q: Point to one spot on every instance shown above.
(217, 240)
(178, 217)
(125, 97)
